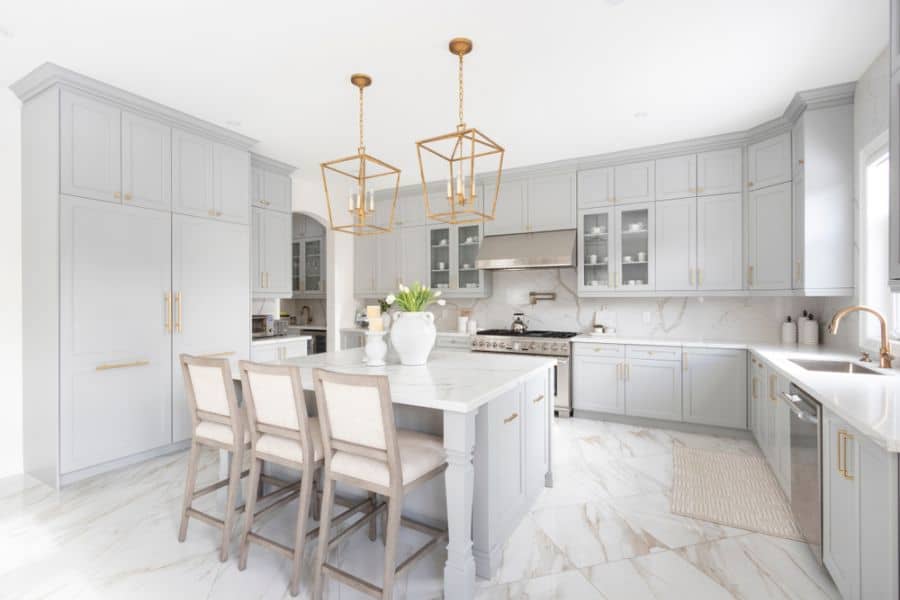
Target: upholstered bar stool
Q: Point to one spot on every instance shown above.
(363, 448)
(283, 433)
(218, 423)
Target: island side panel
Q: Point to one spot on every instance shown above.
(459, 442)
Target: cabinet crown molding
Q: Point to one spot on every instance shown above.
(270, 164)
(49, 74)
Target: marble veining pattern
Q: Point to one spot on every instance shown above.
(604, 532)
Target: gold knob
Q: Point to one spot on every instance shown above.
(117, 195)
(128, 196)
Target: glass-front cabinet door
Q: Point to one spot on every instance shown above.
(595, 251)
(468, 239)
(439, 264)
(312, 266)
(634, 268)
(296, 261)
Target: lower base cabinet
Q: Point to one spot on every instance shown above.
(272, 351)
(713, 387)
(598, 382)
(653, 389)
(859, 512)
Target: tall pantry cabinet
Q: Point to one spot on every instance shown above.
(135, 248)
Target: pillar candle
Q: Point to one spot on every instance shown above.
(374, 315)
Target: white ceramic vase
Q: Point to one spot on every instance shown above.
(375, 349)
(412, 336)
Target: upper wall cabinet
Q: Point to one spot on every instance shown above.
(634, 182)
(512, 208)
(544, 202)
(595, 188)
(719, 172)
(769, 238)
(192, 175)
(209, 179)
(90, 148)
(769, 162)
(410, 211)
(270, 190)
(271, 257)
(676, 177)
(146, 162)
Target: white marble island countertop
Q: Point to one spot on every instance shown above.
(279, 339)
(451, 380)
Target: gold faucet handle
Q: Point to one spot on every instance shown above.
(865, 358)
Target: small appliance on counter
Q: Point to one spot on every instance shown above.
(262, 326)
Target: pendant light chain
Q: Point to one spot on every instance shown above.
(461, 121)
(361, 145)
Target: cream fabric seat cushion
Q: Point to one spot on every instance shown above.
(217, 432)
(419, 454)
(289, 449)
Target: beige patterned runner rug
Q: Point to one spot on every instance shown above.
(730, 489)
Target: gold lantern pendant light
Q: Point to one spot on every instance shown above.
(462, 150)
(357, 173)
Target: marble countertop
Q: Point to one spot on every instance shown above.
(451, 381)
(310, 327)
(870, 403)
(440, 333)
(279, 339)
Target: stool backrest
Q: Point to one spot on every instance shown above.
(209, 388)
(273, 395)
(356, 415)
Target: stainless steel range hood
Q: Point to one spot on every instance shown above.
(541, 250)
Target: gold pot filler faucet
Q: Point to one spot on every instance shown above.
(885, 351)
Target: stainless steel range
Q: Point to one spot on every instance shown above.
(538, 343)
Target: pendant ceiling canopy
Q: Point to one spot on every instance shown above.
(455, 157)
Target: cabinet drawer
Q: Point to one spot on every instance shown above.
(453, 342)
(654, 352)
(616, 350)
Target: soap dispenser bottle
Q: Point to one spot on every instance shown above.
(789, 332)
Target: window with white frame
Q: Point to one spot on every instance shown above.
(873, 244)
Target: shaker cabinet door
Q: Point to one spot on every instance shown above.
(595, 188)
(769, 238)
(598, 384)
(90, 148)
(551, 202)
(720, 256)
(192, 175)
(278, 191)
(719, 172)
(769, 162)
(635, 182)
(676, 177)
(231, 168)
(277, 242)
(676, 244)
(840, 506)
(715, 390)
(511, 210)
(146, 162)
(653, 389)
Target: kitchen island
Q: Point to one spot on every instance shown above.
(494, 413)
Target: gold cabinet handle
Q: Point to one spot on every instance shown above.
(772, 380)
(511, 418)
(117, 195)
(801, 162)
(178, 326)
(538, 399)
(111, 366)
(168, 320)
(750, 275)
(128, 196)
(754, 391)
(843, 436)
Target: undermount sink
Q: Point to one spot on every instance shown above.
(835, 366)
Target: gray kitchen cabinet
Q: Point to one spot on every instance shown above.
(634, 182)
(551, 202)
(596, 251)
(365, 254)
(720, 257)
(676, 177)
(231, 184)
(452, 251)
(714, 387)
(270, 351)
(676, 244)
(635, 242)
(537, 448)
(210, 266)
(653, 388)
(512, 207)
(257, 186)
(387, 272)
(720, 172)
(90, 148)
(414, 262)
(271, 254)
(192, 174)
(146, 162)
(115, 368)
(595, 188)
(308, 257)
(755, 382)
(506, 426)
(270, 183)
(598, 378)
(769, 162)
(410, 208)
(769, 238)
(859, 508)
(823, 233)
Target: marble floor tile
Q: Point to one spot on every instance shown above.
(568, 585)
(530, 553)
(620, 528)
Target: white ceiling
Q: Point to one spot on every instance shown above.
(549, 80)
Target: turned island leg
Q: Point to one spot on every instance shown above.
(459, 442)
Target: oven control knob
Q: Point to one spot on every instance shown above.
(554, 347)
(545, 346)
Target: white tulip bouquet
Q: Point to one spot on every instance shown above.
(414, 299)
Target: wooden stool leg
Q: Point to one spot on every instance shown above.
(324, 536)
(253, 487)
(392, 535)
(234, 481)
(373, 523)
(306, 491)
(189, 489)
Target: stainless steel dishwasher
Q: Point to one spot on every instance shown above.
(806, 466)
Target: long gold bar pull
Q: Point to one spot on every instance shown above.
(178, 325)
(168, 320)
(111, 366)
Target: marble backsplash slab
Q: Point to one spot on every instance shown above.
(752, 319)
